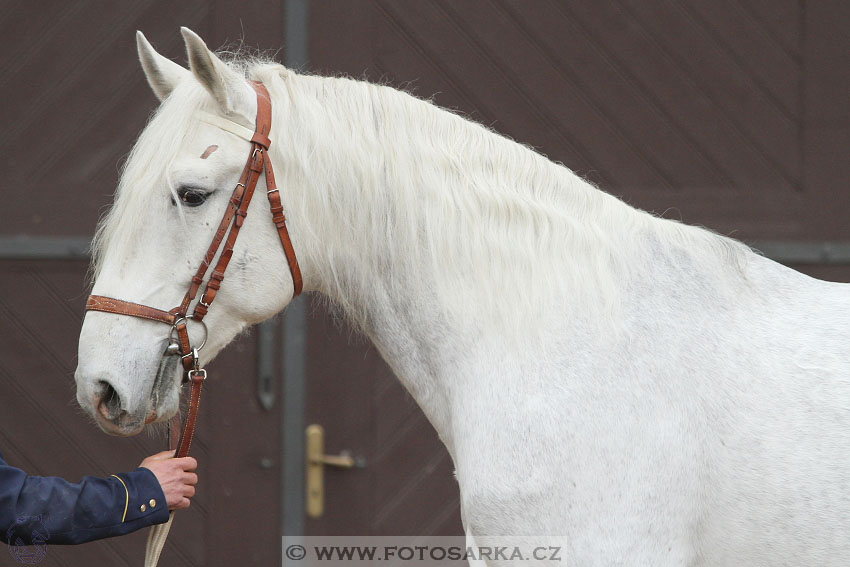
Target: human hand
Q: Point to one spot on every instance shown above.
(174, 476)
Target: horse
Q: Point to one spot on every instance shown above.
(650, 393)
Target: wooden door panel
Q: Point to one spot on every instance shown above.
(406, 486)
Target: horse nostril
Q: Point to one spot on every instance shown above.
(109, 405)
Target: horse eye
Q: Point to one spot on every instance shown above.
(191, 197)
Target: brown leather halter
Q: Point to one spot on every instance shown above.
(224, 238)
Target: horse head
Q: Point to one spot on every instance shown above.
(174, 188)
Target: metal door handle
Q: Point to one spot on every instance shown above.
(343, 460)
(316, 462)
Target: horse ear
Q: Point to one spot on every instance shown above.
(226, 86)
(162, 73)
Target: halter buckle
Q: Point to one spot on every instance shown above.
(196, 367)
(201, 372)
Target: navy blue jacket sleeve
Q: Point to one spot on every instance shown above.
(37, 510)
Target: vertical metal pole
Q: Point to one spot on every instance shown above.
(295, 13)
(296, 22)
(292, 414)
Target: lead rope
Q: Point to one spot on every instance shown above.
(158, 533)
(156, 541)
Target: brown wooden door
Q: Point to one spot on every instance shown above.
(403, 483)
(726, 114)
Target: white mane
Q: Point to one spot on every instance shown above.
(407, 188)
(500, 229)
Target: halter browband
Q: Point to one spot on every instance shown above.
(224, 238)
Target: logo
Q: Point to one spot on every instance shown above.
(296, 552)
(27, 539)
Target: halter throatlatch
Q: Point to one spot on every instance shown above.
(224, 239)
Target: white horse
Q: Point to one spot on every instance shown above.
(652, 393)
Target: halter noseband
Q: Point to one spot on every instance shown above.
(224, 238)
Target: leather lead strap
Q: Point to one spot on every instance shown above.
(188, 432)
(181, 440)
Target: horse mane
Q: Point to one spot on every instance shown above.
(498, 228)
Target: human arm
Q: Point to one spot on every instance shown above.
(56, 511)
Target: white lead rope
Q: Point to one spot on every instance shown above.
(156, 541)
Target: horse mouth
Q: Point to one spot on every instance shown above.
(122, 425)
(111, 415)
(121, 429)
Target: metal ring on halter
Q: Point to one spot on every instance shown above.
(255, 151)
(186, 320)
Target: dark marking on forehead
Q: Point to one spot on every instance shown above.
(208, 151)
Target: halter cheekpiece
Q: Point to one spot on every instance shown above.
(225, 238)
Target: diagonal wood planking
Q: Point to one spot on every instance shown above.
(525, 66)
(746, 108)
(454, 54)
(663, 103)
(776, 16)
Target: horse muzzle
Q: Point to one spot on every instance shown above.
(111, 415)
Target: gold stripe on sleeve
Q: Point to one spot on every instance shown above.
(127, 493)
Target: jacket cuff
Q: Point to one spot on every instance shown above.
(143, 497)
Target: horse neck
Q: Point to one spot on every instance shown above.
(435, 235)
(399, 191)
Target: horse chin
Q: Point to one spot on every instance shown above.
(121, 427)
